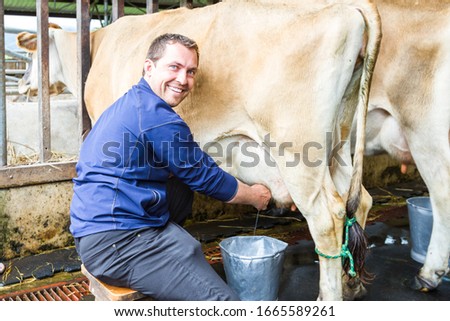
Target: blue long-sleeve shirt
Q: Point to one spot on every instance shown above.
(126, 160)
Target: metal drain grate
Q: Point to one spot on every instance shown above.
(74, 290)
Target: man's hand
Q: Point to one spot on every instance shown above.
(256, 195)
(262, 196)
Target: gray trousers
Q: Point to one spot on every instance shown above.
(165, 263)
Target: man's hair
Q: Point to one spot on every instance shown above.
(158, 46)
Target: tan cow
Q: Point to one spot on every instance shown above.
(284, 82)
(409, 108)
(409, 112)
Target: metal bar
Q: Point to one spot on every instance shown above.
(26, 175)
(45, 152)
(3, 142)
(12, 91)
(117, 9)
(15, 71)
(152, 6)
(19, 30)
(12, 78)
(105, 12)
(83, 64)
(17, 56)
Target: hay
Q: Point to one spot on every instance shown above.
(18, 159)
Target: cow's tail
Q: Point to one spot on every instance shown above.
(357, 240)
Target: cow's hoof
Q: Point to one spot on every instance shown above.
(420, 284)
(353, 289)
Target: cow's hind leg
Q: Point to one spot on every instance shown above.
(353, 287)
(326, 228)
(436, 262)
(335, 284)
(437, 178)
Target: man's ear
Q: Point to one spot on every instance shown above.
(148, 67)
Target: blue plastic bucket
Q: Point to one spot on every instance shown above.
(253, 266)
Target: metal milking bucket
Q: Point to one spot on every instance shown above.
(253, 266)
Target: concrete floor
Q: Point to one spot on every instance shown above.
(389, 258)
(389, 261)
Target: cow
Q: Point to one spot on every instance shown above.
(409, 111)
(286, 82)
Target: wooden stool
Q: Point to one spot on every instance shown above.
(105, 292)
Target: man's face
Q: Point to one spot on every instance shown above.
(172, 76)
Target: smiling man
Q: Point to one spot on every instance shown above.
(170, 70)
(135, 175)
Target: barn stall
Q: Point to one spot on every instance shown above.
(35, 196)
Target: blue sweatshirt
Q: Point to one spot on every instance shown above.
(126, 160)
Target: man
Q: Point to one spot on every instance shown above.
(133, 187)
